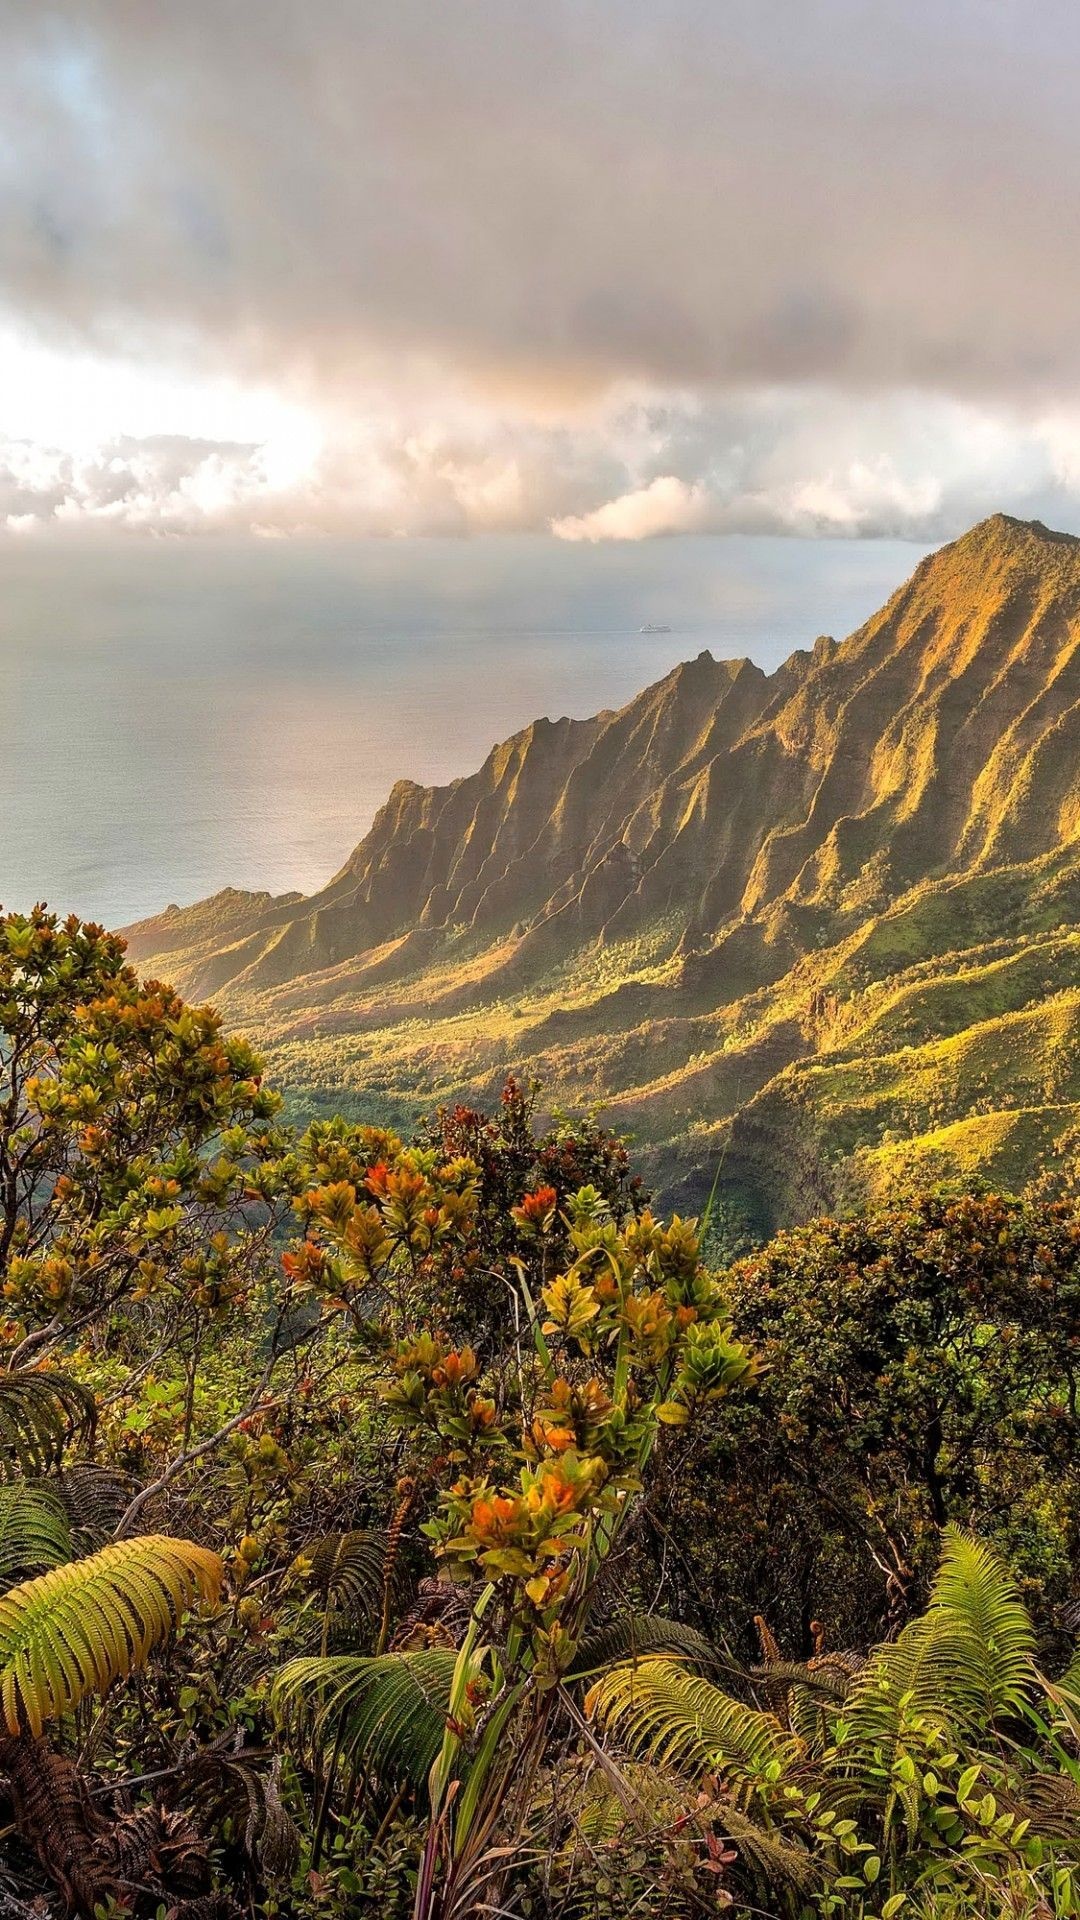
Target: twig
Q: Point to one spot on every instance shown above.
(255, 1404)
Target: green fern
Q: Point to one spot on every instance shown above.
(74, 1630)
(630, 1636)
(40, 1415)
(611, 1799)
(965, 1666)
(783, 1862)
(825, 1678)
(637, 1801)
(390, 1707)
(34, 1531)
(996, 1639)
(867, 1743)
(679, 1719)
(910, 1680)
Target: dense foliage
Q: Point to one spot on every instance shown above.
(921, 1365)
(383, 1520)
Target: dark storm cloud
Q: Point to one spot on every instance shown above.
(548, 199)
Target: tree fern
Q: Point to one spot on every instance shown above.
(829, 1675)
(630, 1636)
(347, 1568)
(639, 1800)
(911, 1680)
(678, 1718)
(223, 1782)
(611, 1797)
(782, 1862)
(95, 1498)
(900, 1745)
(348, 1571)
(40, 1415)
(995, 1636)
(965, 1665)
(390, 1708)
(76, 1629)
(34, 1531)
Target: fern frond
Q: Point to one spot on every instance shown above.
(809, 1716)
(40, 1415)
(225, 1782)
(825, 1677)
(389, 1707)
(347, 1569)
(75, 1630)
(631, 1636)
(34, 1531)
(1069, 1681)
(654, 1801)
(776, 1860)
(96, 1499)
(911, 1678)
(440, 1616)
(609, 1798)
(1049, 1801)
(679, 1719)
(966, 1664)
(996, 1639)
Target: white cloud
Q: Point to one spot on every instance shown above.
(165, 483)
(646, 464)
(666, 505)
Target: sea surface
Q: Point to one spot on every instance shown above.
(178, 716)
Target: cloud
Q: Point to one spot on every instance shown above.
(615, 267)
(167, 483)
(666, 505)
(558, 195)
(800, 463)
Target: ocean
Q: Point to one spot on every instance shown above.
(179, 716)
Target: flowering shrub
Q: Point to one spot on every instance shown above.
(629, 1333)
(533, 1434)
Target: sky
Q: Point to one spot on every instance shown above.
(596, 270)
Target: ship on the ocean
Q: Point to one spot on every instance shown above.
(651, 627)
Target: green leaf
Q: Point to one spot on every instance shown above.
(993, 1660)
(675, 1717)
(632, 1635)
(347, 1569)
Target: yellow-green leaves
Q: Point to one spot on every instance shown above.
(571, 1303)
(76, 1629)
(711, 1362)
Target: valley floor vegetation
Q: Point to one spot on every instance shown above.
(418, 1528)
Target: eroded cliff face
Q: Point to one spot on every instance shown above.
(730, 824)
(940, 736)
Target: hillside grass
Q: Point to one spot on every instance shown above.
(897, 1049)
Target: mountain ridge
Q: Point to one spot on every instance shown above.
(701, 846)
